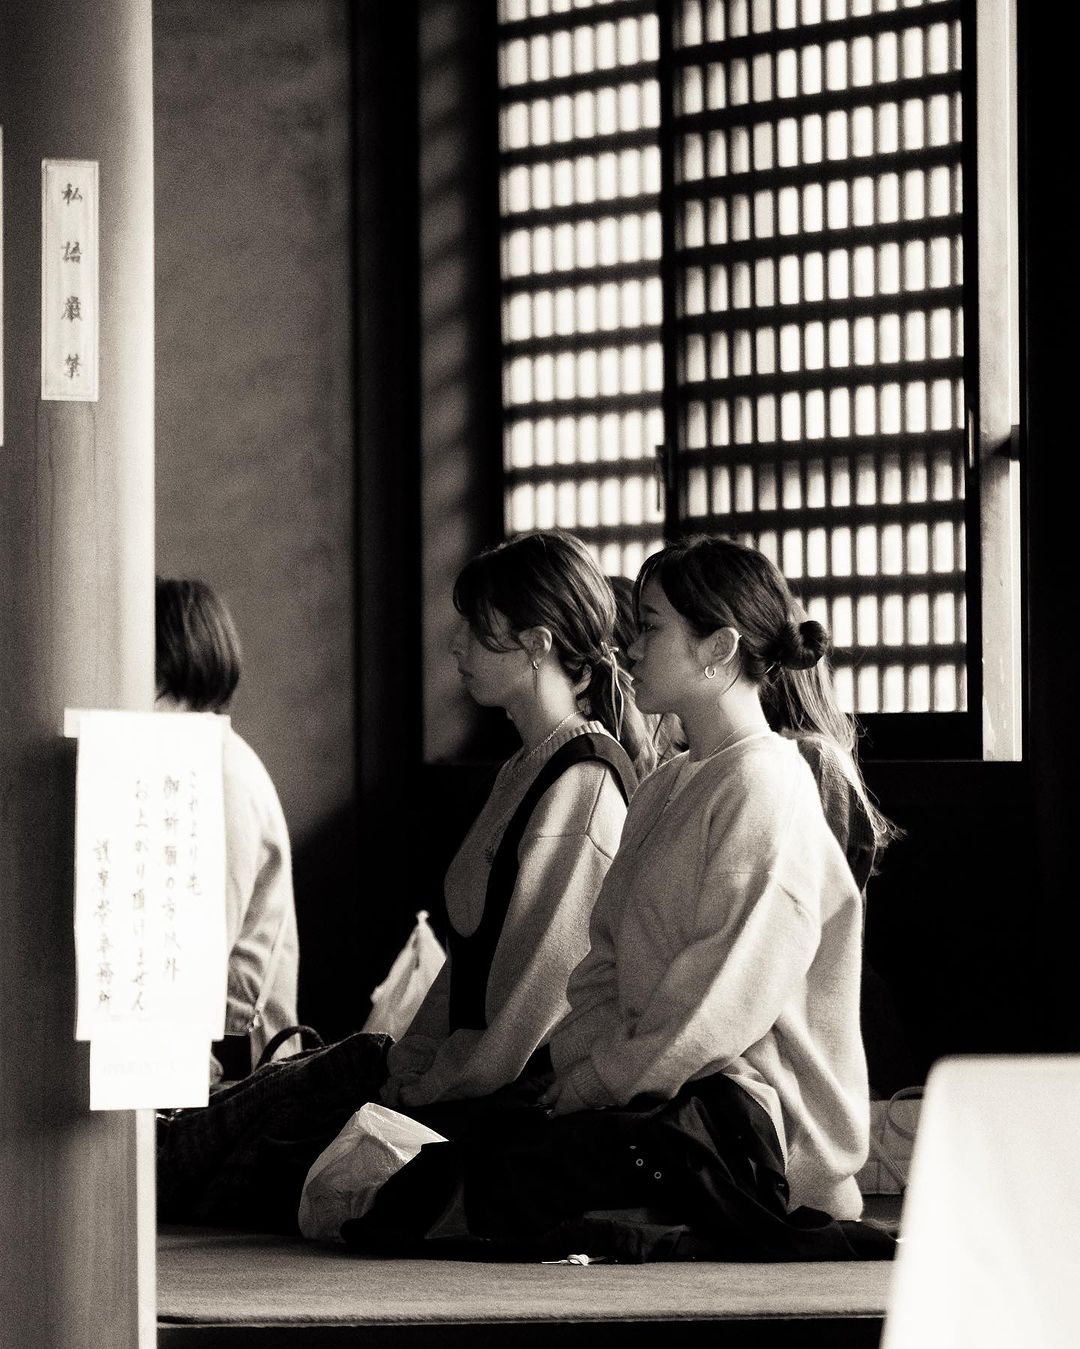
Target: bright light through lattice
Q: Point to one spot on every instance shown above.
(818, 296)
(582, 296)
(820, 312)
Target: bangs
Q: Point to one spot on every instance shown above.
(652, 569)
(474, 601)
(691, 575)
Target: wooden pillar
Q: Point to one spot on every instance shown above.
(76, 629)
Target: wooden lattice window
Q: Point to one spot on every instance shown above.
(734, 232)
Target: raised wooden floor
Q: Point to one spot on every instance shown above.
(232, 1289)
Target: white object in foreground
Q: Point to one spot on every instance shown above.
(346, 1176)
(991, 1221)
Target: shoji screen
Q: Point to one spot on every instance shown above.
(817, 196)
(581, 242)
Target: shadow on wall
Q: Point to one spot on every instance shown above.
(355, 914)
(255, 463)
(330, 905)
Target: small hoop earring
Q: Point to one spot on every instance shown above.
(710, 671)
(536, 665)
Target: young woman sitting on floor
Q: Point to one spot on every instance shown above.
(536, 640)
(710, 1095)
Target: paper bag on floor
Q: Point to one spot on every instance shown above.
(346, 1175)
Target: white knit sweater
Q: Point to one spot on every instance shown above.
(563, 857)
(727, 937)
(260, 912)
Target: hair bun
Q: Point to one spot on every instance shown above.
(802, 645)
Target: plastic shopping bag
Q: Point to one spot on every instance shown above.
(345, 1177)
(396, 1000)
(892, 1137)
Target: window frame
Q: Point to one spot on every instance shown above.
(993, 435)
(991, 726)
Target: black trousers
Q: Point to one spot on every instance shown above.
(697, 1177)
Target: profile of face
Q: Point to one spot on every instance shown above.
(666, 657)
(492, 678)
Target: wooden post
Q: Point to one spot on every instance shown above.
(76, 629)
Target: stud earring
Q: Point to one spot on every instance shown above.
(710, 671)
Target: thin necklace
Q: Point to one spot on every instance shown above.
(513, 766)
(681, 777)
(524, 756)
(728, 740)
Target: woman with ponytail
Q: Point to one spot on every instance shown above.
(536, 639)
(750, 977)
(710, 1096)
(800, 703)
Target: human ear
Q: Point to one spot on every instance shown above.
(723, 645)
(536, 641)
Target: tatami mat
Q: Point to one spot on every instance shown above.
(213, 1277)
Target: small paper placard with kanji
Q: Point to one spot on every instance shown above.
(69, 279)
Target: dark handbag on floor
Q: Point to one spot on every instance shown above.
(241, 1160)
(234, 1052)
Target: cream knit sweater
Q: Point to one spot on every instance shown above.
(563, 857)
(727, 937)
(260, 912)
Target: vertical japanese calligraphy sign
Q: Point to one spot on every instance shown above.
(69, 279)
(150, 928)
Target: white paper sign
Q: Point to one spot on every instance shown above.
(69, 279)
(150, 935)
(146, 1067)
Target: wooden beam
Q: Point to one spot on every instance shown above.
(76, 629)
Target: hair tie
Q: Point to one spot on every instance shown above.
(618, 698)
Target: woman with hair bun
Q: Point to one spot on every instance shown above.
(800, 703)
(710, 1094)
(726, 948)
